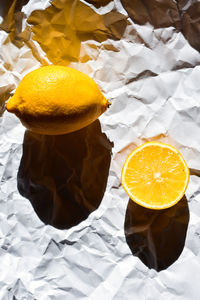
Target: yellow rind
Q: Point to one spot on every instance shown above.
(56, 100)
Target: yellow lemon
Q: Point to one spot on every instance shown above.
(155, 175)
(57, 100)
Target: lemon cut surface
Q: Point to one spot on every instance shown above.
(155, 175)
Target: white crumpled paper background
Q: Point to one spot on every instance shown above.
(144, 57)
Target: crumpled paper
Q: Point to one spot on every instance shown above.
(68, 230)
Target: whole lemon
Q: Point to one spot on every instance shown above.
(57, 100)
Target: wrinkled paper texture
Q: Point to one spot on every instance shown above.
(67, 228)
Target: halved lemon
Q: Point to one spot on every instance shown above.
(155, 175)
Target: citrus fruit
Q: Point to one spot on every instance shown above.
(155, 175)
(57, 100)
